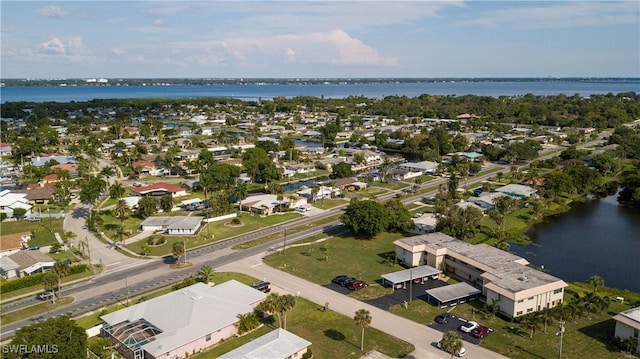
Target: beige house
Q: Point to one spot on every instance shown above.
(505, 279)
(278, 344)
(628, 325)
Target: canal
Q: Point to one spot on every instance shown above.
(596, 237)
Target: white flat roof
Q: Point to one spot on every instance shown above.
(452, 292)
(409, 274)
(273, 345)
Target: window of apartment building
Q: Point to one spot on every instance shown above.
(208, 337)
(530, 298)
(557, 291)
(521, 300)
(519, 313)
(529, 310)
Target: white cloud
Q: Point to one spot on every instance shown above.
(331, 47)
(71, 49)
(561, 15)
(157, 22)
(117, 51)
(51, 11)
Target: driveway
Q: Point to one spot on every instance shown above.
(421, 336)
(75, 221)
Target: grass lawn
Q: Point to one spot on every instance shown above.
(34, 310)
(329, 203)
(218, 230)
(395, 185)
(586, 338)
(6, 296)
(333, 335)
(42, 236)
(290, 231)
(321, 262)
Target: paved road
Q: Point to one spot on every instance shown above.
(422, 337)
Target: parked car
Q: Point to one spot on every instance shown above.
(262, 286)
(356, 284)
(339, 278)
(32, 248)
(460, 353)
(303, 208)
(480, 332)
(34, 218)
(468, 327)
(45, 295)
(444, 318)
(345, 281)
(417, 215)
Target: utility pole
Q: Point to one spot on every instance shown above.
(184, 247)
(284, 241)
(126, 283)
(560, 333)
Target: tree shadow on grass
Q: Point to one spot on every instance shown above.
(533, 355)
(602, 332)
(334, 334)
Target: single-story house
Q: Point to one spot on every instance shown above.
(40, 195)
(30, 262)
(486, 200)
(277, 344)
(300, 168)
(628, 325)
(180, 225)
(517, 190)
(503, 278)
(200, 316)
(14, 242)
(425, 167)
(72, 168)
(266, 204)
(424, 224)
(10, 200)
(323, 192)
(400, 174)
(349, 184)
(8, 268)
(160, 189)
(5, 149)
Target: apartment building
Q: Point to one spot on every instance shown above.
(505, 279)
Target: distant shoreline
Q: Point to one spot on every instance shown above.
(296, 81)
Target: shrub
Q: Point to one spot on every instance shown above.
(308, 354)
(236, 221)
(3, 216)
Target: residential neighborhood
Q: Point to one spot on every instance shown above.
(392, 213)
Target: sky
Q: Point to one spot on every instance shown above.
(324, 39)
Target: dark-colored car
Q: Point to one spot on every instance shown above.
(339, 278)
(444, 318)
(262, 286)
(345, 281)
(33, 248)
(480, 332)
(356, 284)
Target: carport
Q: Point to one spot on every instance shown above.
(400, 279)
(453, 294)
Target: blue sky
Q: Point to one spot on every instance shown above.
(328, 39)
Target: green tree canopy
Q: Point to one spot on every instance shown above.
(399, 216)
(366, 218)
(341, 170)
(56, 337)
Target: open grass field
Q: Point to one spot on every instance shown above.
(36, 309)
(219, 231)
(333, 335)
(329, 203)
(321, 262)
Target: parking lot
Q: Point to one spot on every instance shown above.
(454, 324)
(399, 296)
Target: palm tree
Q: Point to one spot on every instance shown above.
(314, 191)
(629, 344)
(270, 305)
(247, 322)
(205, 274)
(531, 322)
(49, 282)
(280, 198)
(362, 320)
(122, 211)
(69, 235)
(145, 250)
(61, 269)
(117, 190)
(179, 249)
(240, 191)
(451, 342)
(287, 302)
(83, 245)
(596, 281)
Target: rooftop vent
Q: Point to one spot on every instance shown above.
(522, 277)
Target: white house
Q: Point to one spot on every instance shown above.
(178, 225)
(277, 344)
(182, 322)
(517, 190)
(11, 200)
(628, 325)
(426, 167)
